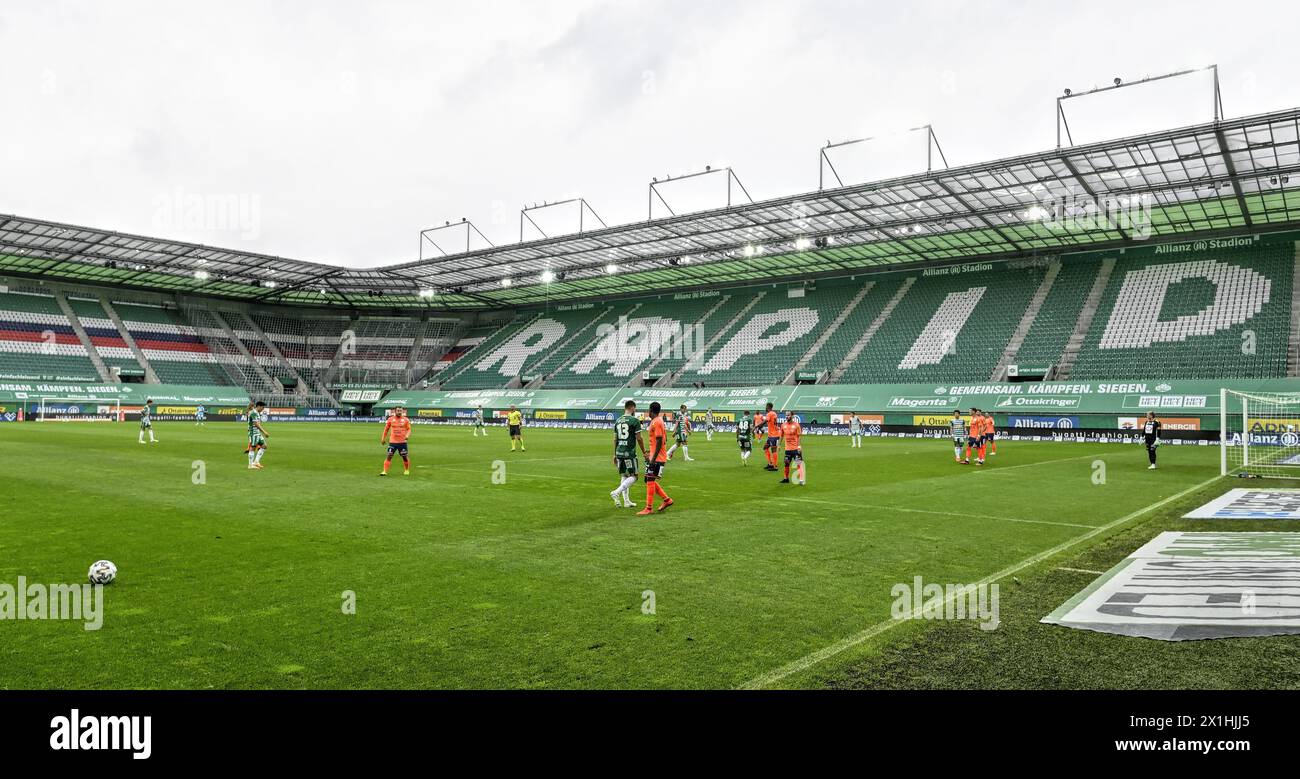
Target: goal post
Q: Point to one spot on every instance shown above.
(69, 408)
(1259, 434)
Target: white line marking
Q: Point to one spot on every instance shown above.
(825, 653)
(1080, 570)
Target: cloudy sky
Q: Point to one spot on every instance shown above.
(335, 131)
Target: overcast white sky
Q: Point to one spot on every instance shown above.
(334, 131)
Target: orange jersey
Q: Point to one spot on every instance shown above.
(397, 429)
(988, 424)
(773, 425)
(790, 431)
(658, 440)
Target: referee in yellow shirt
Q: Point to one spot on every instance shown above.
(515, 423)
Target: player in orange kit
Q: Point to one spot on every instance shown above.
(773, 443)
(791, 430)
(396, 430)
(654, 468)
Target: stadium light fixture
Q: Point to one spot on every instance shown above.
(506, 282)
(749, 250)
(268, 284)
(547, 277)
(802, 244)
(1035, 213)
(201, 275)
(611, 269)
(426, 293)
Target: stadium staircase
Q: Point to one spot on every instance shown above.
(332, 371)
(646, 334)
(124, 332)
(857, 348)
(579, 327)
(230, 354)
(1293, 352)
(36, 340)
(1026, 322)
(677, 348)
(1087, 313)
(105, 375)
(828, 333)
(774, 334)
(466, 377)
(282, 363)
(746, 304)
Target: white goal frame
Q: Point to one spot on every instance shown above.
(1271, 452)
(116, 403)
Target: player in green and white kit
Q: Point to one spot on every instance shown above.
(256, 434)
(146, 421)
(627, 440)
(681, 432)
(855, 431)
(479, 427)
(708, 425)
(745, 437)
(960, 432)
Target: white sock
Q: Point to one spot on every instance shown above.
(258, 457)
(141, 436)
(252, 453)
(672, 449)
(686, 451)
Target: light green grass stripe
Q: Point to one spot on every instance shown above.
(808, 661)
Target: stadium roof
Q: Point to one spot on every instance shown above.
(1236, 175)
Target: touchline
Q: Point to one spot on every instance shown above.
(93, 732)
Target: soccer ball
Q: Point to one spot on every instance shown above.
(102, 572)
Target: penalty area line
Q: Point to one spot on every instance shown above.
(825, 653)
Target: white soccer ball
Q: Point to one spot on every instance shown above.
(102, 572)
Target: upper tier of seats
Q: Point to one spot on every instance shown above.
(1186, 315)
(1214, 309)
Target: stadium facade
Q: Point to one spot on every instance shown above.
(1077, 288)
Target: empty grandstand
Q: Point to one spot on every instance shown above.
(954, 275)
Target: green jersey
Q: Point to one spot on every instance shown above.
(626, 429)
(744, 428)
(255, 435)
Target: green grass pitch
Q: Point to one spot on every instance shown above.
(540, 582)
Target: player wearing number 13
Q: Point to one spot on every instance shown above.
(627, 441)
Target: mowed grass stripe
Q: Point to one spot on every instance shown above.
(461, 582)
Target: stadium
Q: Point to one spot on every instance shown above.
(917, 432)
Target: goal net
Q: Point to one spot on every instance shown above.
(65, 408)
(1259, 434)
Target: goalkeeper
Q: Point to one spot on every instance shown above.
(1151, 437)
